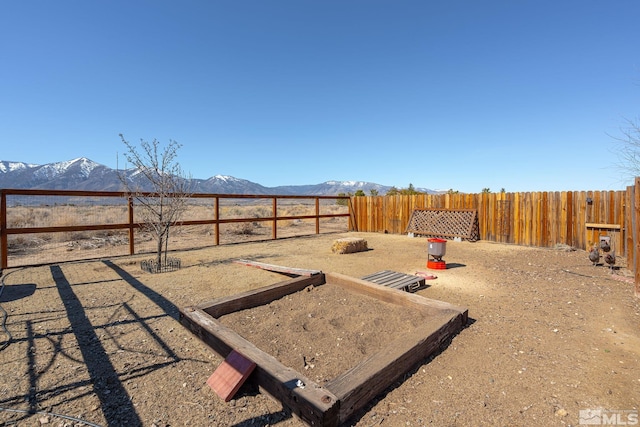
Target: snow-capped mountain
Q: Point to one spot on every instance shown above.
(225, 184)
(78, 168)
(77, 174)
(334, 187)
(7, 166)
(85, 174)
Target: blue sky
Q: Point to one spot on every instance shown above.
(463, 95)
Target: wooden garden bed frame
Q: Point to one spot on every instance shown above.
(336, 401)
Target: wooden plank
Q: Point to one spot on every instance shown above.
(356, 387)
(227, 379)
(604, 226)
(596, 214)
(489, 214)
(277, 268)
(484, 214)
(636, 236)
(390, 295)
(570, 221)
(556, 209)
(563, 218)
(628, 224)
(611, 207)
(261, 296)
(580, 202)
(620, 218)
(377, 211)
(536, 205)
(528, 228)
(318, 405)
(544, 219)
(516, 218)
(313, 403)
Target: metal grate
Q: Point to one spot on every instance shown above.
(445, 223)
(392, 279)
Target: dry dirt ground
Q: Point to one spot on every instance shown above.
(99, 343)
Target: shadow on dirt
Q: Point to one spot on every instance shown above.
(451, 265)
(251, 389)
(166, 305)
(115, 402)
(16, 292)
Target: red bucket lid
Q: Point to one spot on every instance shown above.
(435, 240)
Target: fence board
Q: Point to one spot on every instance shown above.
(636, 235)
(628, 221)
(530, 218)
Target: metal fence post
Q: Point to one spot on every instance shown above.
(274, 232)
(132, 249)
(3, 231)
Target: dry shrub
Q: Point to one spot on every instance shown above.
(296, 210)
(232, 212)
(200, 230)
(67, 236)
(242, 228)
(284, 223)
(21, 242)
(194, 212)
(258, 212)
(290, 223)
(21, 217)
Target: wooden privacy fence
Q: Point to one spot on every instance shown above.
(545, 219)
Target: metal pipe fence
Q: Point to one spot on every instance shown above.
(43, 226)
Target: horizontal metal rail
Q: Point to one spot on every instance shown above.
(6, 231)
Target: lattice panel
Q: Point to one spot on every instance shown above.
(445, 223)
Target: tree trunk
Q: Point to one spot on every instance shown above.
(159, 254)
(166, 245)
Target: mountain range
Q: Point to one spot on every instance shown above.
(85, 174)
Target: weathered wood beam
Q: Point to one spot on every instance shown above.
(337, 401)
(356, 387)
(314, 404)
(390, 295)
(257, 297)
(277, 268)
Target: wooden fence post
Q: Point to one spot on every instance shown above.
(353, 221)
(636, 236)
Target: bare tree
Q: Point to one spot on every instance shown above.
(160, 187)
(629, 149)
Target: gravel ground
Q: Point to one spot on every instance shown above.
(550, 338)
